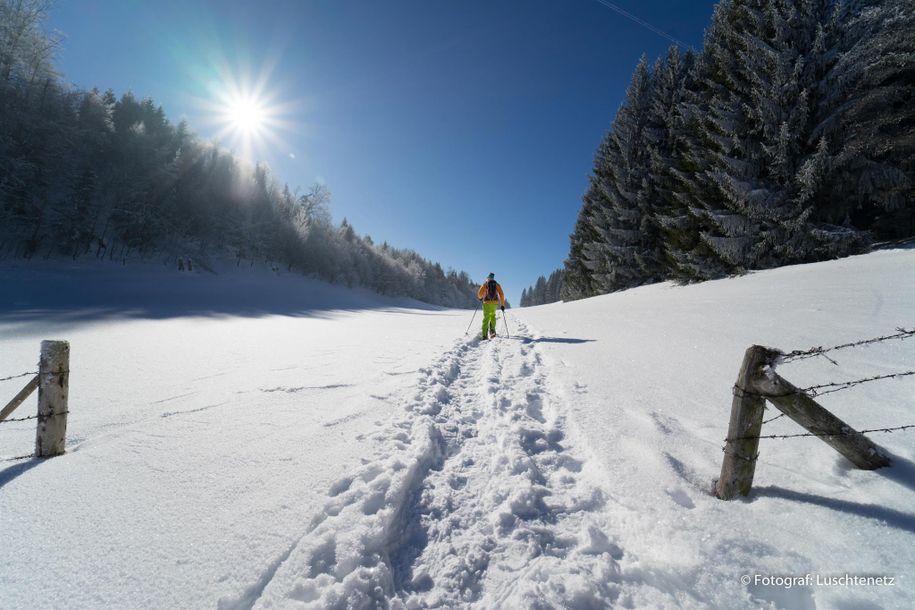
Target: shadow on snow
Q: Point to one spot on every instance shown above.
(901, 471)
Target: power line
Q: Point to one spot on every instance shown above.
(641, 22)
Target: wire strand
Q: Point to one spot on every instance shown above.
(38, 417)
(901, 334)
(18, 376)
(773, 419)
(815, 390)
(12, 419)
(820, 435)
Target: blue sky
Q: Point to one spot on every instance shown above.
(464, 130)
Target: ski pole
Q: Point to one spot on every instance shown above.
(505, 319)
(471, 321)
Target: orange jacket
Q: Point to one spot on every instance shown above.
(499, 293)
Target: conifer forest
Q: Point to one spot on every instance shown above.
(788, 138)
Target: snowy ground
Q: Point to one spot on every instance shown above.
(259, 440)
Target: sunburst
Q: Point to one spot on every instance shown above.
(248, 116)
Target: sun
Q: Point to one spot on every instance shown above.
(247, 116)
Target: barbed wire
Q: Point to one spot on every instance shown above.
(816, 390)
(18, 376)
(848, 432)
(12, 419)
(774, 418)
(38, 417)
(17, 458)
(901, 333)
(820, 389)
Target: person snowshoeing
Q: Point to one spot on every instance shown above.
(492, 296)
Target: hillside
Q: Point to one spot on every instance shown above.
(279, 442)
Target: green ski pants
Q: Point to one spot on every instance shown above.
(489, 317)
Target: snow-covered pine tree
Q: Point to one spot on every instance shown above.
(544, 290)
(579, 282)
(625, 253)
(554, 287)
(868, 120)
(702, 237)
(673, 146)
(785, 167)
(760, 177)
(718, 112)
(539, 291)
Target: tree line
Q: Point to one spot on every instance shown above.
(789, 138)
(545, 290)
(90, 174)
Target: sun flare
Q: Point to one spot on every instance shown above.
(247, 116)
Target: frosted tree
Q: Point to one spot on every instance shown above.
(775, 179)
(625, 254)
(760, 174)
(675, 148)
(579, 282)
(718, 117)
(868, 119)
(545, 290)
(26, 52)
(554, 287)
(789, 138)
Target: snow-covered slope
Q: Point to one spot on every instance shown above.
(649, 374)
(324, 448)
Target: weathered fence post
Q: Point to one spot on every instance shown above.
(757, 383)
(827, 427)
(747, 410)
(53, 388)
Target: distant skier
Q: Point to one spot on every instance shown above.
(491, 294)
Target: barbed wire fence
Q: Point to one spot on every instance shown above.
(52, 381)
(758, 384)
(831, 387)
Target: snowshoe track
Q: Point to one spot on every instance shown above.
(476, 499)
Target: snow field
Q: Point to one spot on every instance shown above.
(199, 446)
(475, 499)
(648, 375)
(373, 458)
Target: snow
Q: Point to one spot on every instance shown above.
(256, 439)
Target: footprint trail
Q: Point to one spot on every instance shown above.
(475, 499)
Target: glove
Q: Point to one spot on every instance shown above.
(502, 308)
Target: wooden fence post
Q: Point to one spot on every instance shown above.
(747, 410)
(830, 429)
(757, 383)
(53, 388)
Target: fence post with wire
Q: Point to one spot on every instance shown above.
(52, 382)
(758, 383)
